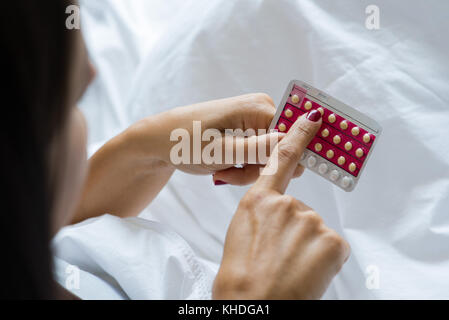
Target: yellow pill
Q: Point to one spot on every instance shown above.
(344, 125)
(321, 110)
(341, 160)
(288, 113)
(325, 133)
(348, 146)
(330, 154)
(295, 99)
(282, 127)
(318, 147)
(332, 118)
(337, 139)
(352, 167)
(359, 152)
(367, 138)
(355, 131)
(308, 105)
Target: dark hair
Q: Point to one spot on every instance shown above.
(36, 55)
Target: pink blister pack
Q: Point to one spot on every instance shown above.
(341, 149)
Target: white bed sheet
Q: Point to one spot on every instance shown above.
(153, 55)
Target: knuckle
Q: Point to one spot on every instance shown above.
(248, 200)
(287, 152)
(252, 198)
(288, 202)
(304, 131)
(335, 243)
(263, 98)
(299, 171)
(312, 219)
(258, 103)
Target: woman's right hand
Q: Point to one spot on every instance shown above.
(277, 247)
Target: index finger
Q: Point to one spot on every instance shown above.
(286, 155)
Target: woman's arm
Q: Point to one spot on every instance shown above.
(129, 171)
(122, 179)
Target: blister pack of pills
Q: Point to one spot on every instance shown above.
(341, 149)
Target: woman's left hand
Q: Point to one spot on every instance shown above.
(247, 112)
(129, 171)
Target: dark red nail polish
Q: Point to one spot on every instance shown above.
(219, 183)
(314, 116)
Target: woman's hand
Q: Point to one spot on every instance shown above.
(252, 111)
(128, 172)
(277, 247)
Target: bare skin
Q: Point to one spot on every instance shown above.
(130, 170)
(276, 246)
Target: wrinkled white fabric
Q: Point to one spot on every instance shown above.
(130, 258)
(155, 55)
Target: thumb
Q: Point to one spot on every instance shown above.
(287, 153)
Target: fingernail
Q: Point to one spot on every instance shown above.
(218, 182)
(314, 116)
